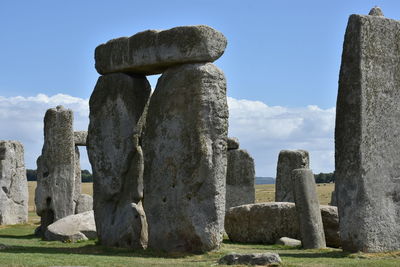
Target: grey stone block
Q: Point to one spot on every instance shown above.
(258, 259)
(80, 138)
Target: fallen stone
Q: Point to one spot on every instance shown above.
(367, 146)
(185, 177)
(233, 143)
(308, 209)
(84, 203)
(251, 259)
(240, 176)
(80, 138)
(72, 228)
(152, 52)
(116, 105)
(287, 241)
(13, 183)
(288, 161)
(265, 223)
(54, 195)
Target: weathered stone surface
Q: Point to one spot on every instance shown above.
(84, 203)
(333, 198)
(80, 138)
(376, 11)
(54, 196)
(288, 161)
(152, 52)
(240, 176)
(185, 159)
(330, 220)
(233, 143)
(13, 183)
(251, 259)
(267, 222)
(308, 209)
(287, 241)
(73, 228)
(367, 146)
(116, 105)
(78, 178)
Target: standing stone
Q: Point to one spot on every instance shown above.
(56, 168)
(151, 52)
(308, 209)
(288, 161)
(185, 159)
(116, 105)
(233, 143)
(13, 182)
(240, 177)
(367, 134)
(84, 203)
(80, 138)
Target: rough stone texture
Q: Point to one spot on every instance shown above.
(288, 161)
(287, 241)
(265, 223)
(376, 11)
(367, 146)
(80, 138)
(54, 196)
(116, 105)
(78, 178)
(233, 143)
(185, 159)
(73, 228)
(308, 209)
(333, 198)
(330, 220)
(240, 176)
(13, 183)
(152, 52)
(84, 203)
(251, 259)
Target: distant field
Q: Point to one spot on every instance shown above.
(264, 193)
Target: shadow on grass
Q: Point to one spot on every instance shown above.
(30, 236)
(260, 246)
(321, 254)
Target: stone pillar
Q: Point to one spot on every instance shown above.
(185, 145)
(56, 168)
(114, 150)
(367, 134)
(13, 183)
(288, 161)
(308, 209)
(240, 176)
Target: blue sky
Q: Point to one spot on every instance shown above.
(282, 55)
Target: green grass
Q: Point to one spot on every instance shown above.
(24, 249)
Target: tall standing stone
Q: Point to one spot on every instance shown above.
(185, 159)
(13, 183)
(114, 150)
(288, 161)
(308, 209)
(240, 177)
(56, 168)
(367, 134)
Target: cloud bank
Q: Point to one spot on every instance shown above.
(262, 130)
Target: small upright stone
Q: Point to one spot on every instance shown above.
(288, 161)
(185, 150)
(13, 183)
(54, 196)
(376, 11)
(367, 144)
(233, 143)
(153, 52)
(240, 176)
(308, 209)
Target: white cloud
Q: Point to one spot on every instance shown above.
(263, 130)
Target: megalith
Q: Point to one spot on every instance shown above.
(240, 176)
(185, 146)
(56, 168)
(113, 144)
(288, 160)
(308, 209)
(13, 183)
(367, 147)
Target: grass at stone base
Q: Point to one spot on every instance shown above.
(24, 249)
